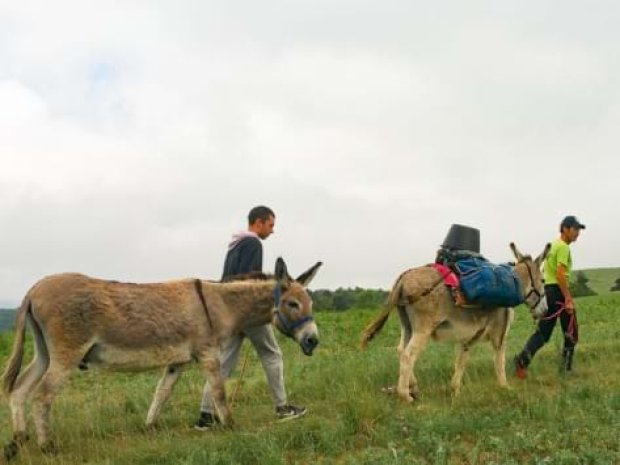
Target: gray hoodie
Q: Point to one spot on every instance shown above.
(245, 254)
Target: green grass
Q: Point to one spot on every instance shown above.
(547, 419)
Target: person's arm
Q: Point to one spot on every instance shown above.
(561, 276)
(251, 256)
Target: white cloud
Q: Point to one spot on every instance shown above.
(135, 137)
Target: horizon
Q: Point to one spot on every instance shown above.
(6, 305)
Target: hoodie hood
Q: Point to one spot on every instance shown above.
(238, 237)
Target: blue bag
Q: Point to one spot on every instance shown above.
(489, 285)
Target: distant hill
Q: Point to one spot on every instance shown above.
(600, 280)
(7, 319)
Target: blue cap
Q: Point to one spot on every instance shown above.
(572, 222)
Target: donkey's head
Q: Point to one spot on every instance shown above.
(293, 307)
(532, 280)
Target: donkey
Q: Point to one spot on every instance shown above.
(427, 310)
(136, 327)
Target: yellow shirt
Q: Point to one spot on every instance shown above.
(558, 255)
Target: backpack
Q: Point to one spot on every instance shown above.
(488, 285)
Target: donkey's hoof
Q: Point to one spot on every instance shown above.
(150, 427)
(414, 392)
(21, 438)
(11, 450)
(228, 426)
(49, 447)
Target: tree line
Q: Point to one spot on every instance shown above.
(7, 319)
(356, 298)
(579, 287)
(347, 299)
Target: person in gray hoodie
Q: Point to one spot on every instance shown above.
(245, 255)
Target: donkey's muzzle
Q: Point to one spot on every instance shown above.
(541, 309)
(308, 344)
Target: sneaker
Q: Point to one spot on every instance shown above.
(290, 412)
(520, 368)
(206, 421)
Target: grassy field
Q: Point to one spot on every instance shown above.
(547, 419)
(602, 279)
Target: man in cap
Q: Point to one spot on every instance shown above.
(558, 267)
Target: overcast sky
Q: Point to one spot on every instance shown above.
(135, 136)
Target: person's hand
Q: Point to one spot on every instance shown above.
(569, 305)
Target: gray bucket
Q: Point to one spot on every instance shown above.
(462, 238)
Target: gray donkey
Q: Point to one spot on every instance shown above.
(427, 310)
(135, 327)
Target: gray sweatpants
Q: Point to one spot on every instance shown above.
(264, 341)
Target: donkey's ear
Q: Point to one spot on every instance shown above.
(543, 255)
(518, 255)
(308, 275)
(281, 273)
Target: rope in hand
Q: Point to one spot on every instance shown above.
(572, 322)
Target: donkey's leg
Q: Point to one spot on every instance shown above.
(405, 329)
(499, 346)
(17, 403)
(44, 395)
(462, 355)
(500, 362)
(166, 384)
(210, 362)
(24, 386)
(407, 382)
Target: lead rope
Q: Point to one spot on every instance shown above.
(233, 397)
(198, 285)
(572, 320)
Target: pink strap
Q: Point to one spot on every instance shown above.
(449, 278)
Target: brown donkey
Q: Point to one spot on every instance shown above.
(426, 310)
(135, 327)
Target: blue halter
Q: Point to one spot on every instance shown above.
(287, 325)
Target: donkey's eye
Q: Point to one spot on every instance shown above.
(292, 305)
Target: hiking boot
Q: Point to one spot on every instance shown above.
(520, 368)
(206, 421)
(566, 365)
(290, 412)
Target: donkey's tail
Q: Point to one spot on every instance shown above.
(15, 362)
(377, 324)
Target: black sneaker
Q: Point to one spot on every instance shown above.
(566, 365)
(290, 412)
(206, 421)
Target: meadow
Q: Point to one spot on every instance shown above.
(546, 419)
(600, 280)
